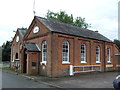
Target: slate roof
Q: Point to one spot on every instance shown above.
(22, 31)
(32, 47)
(59, 27)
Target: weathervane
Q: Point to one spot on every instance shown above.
(34, 8)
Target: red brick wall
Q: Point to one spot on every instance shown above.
(116, 57)
(59, 69)
(43, 30)
(33, 58)
(44, 69)
(15, 48)
(109, 66)
(54, 66)
(43, 34)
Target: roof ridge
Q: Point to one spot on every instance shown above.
(41, 17)
(22, 28)
(65, 23)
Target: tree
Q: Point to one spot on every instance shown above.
(0, 54)
(6, 51)
(65, 18)
(117, 42)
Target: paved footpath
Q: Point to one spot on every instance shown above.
(90, 80)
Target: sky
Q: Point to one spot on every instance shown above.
(101, 14)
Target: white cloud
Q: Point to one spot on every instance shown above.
(102, 14)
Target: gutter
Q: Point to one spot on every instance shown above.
(81, 36)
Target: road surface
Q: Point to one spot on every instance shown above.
(0, 78)
(17, 81)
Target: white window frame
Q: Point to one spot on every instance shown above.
(17, 39)
(108, 55)
(63, 53)
(98, 55)
(84, 56)
(44, 54)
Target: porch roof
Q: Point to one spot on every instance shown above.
(32, 47)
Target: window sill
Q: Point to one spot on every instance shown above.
(83, 62)
(98, 62)
(43, 63)
(65, 62)
(109, 62)
(16, 60)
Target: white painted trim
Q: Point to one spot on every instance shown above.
(38, 47)
(109, 65)
(117, 65)
(43, 62)
(65, 62)
(68, 61)
(84, 53)
(17, 39)
(83, 62)
(13, 60)
(44, 42)
(109, 55)
(71, 70)
(117, 54)
(98, 47)
(109, 62)
(16, 59)
(98, 62)
(36, 29)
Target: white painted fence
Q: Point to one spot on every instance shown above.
(92, 68)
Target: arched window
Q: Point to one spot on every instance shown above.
(97, 54)
(108, 54)
(83, 53)
(44, 51)
(65, 52)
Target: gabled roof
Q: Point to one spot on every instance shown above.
(32, 47)
(22, 31)
(59, 27)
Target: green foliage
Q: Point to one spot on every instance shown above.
(65, 18)
(6, 51)
(0, 54)
(117, 42)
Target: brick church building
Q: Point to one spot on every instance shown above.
(49, 48)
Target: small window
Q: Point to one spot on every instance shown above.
(108, 55)
(34, 63)
(65, 52)
(17, 39)
(97, 54)
(36, 29)
(44, 51)
(16, 56)
(83, 53)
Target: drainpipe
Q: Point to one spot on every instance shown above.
(104, 49)
(51, 51)
(39, 62)
(90, 52)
